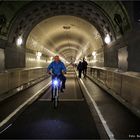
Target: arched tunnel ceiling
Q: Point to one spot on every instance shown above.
(39, 11)
(68, 36)
(22, 17)
(30, 12)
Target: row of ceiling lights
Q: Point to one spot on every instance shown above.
(19, 42)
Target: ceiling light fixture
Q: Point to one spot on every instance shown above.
(93, 53)
(107, 39)
(19, 41)
(38, 55)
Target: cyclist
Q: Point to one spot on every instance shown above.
(57, 68)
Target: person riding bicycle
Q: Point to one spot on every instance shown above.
(57, 68)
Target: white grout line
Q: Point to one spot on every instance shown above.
(21, 106)
(109, 133)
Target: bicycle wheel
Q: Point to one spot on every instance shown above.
(56, 98)
(56, 102)
(53, 94)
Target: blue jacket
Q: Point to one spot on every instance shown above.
(57, 67)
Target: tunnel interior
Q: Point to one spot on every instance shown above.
(70, 37)
(66, 24)
(112, 19)
(105, 33)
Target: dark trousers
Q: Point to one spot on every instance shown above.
(80, 72)
(84, 72)
(63, 79)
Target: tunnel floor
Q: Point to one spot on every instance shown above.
(72, 119)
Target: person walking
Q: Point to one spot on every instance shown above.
(80, 68)
(84, 64)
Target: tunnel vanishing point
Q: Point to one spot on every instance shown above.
(105, 33)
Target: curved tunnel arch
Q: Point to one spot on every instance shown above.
(38, 11)
(31, 13)
(119, 74)
(51, 35)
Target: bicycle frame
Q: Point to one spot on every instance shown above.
(56, 83)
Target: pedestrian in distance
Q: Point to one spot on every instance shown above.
(80, 69)
(84, 64)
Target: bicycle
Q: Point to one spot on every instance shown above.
(56, 85)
